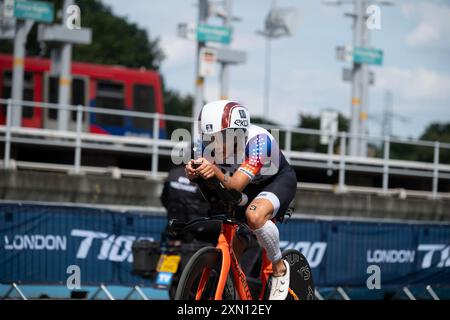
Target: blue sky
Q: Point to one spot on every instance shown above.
(306, 77)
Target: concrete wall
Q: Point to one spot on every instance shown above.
(52, 187)
(371, 206)
(90, 189)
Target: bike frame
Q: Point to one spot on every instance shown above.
(229, 261)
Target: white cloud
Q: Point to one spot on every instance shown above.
(416, 85)
(424, 34)
(248, 42)
(178, 51)
(432, 24)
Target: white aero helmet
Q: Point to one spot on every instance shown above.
(222, 115)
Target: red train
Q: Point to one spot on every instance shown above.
(102, 86)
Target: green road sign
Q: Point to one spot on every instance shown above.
(34, 10)
(368, 56)
(208, 33)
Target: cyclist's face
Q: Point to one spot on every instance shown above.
(229, 143)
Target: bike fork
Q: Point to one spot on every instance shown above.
(224, 248)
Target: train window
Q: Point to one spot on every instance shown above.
(78, 95)
(144, 101)
(110, 95)
(28, 92)
(52, 96)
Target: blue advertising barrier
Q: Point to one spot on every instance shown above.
(39, 242)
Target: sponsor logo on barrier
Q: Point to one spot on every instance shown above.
(390, 256)
(434, 255)
(116, 248)
(430, 250)
(313, 251)
(35, 242)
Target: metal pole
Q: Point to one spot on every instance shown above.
(224, 81)
(15, 287)
(330, 155)
(199, 80)
(288, 143)
(436, 170)
(106, 291)
(155, 145)
(7, 154)
(387, 145)
(342, 162)
(20, 40)
(432, 293)
(363, 116)
(358, 24)
(65, 79)
(343, 293)
(318, 295)
(409, 293)
(78, 139)
(267, 77)
(225, 67)
(138, 291)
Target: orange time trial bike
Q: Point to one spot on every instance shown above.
(214, 273)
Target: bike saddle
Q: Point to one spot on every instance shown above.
(201, 228)
(200, 225)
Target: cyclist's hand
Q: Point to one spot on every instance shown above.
(191, 173)
(206, 169)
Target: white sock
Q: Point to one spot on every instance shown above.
(269, 238)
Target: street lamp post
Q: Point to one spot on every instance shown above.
(277, 25)
(360, 76)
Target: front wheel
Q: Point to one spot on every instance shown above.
(206, 262)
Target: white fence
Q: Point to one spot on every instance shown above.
(155, 146)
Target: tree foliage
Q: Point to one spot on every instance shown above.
(311, 143)
(434, 132)
(116, 41)
(179, 105)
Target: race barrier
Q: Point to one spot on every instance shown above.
(44, 243)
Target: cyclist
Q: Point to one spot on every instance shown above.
(247, 158)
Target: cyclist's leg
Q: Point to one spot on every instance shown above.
(273, 200)
(259, 214)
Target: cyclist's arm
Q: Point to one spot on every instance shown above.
(238, 181)
(207, 170)
(256, 154)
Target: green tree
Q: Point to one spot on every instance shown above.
(116, 41)
(179, 105)
(435, 132)
(308, 142)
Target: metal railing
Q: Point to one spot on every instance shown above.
(334, 159)
(14, 287)
(338, 293)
